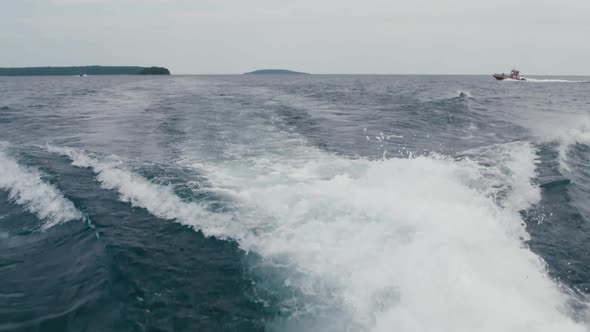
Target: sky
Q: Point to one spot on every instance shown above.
(543, 37)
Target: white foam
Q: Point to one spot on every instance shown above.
(464, 93)
(401, 244)
(574, 131)
(565, 129)
(539, 80)
(508, 170)
(26, 187)
(159, 200)
(569, 137)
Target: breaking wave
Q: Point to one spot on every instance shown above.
(159, 200)
(565, 131)
(26, 187)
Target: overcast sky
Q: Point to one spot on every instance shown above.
(318, 36)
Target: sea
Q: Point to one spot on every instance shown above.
(294, 203)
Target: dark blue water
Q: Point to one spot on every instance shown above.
(294, 203)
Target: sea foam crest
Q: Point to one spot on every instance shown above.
(575, 135)
(566, 130)
(26, 187)
(159, 200)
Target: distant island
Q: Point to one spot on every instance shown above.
(274, 71)
(83, 70)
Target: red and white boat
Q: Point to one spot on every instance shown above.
(514, 75)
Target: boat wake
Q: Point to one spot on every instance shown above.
(539, 80)
(27, 188)
(374, 245)
(159, 200)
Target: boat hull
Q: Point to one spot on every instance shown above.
(501, 77)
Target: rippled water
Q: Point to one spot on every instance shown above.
(294, 203)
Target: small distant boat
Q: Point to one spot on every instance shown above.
(82, 75)
(514, 75)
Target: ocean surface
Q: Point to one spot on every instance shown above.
(294, 203)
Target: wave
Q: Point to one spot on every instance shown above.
(508, 169)
(567, 139)
(463, 95)
(159, 200)
(401, 244)
(27, 188)
(565, 130)
(416, 244)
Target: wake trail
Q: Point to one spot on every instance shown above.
(26, 187)
(402, 244)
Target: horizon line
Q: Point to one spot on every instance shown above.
(373, 74)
